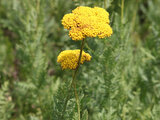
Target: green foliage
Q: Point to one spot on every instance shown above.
(122, 81)
(6, 104)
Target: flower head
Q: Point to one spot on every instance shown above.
(87, 22)
(69, 58)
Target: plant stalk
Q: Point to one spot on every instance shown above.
(122, 10)
(74, 78)
(73, 83)
(77, 100)
(105, 2)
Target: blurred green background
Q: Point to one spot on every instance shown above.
(122, 81)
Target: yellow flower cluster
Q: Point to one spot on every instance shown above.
(69, 58)
(87, 22)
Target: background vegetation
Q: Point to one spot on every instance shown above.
(122, 81)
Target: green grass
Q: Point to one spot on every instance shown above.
(121, 82)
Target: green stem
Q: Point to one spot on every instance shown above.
(74, 78)
(122, 20)
(73, 84)
(105, 2)
(122, 9)
(77, 100)
(134, 16)
(89, 48)
(79, 61)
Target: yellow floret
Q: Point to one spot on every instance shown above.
(83, 10)
(69, 58)
(105, 31)
(87, 22)
(102, 14)
(68, 21)
(76, 34)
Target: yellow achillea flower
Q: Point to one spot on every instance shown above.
(87, 22)
(69, 58)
